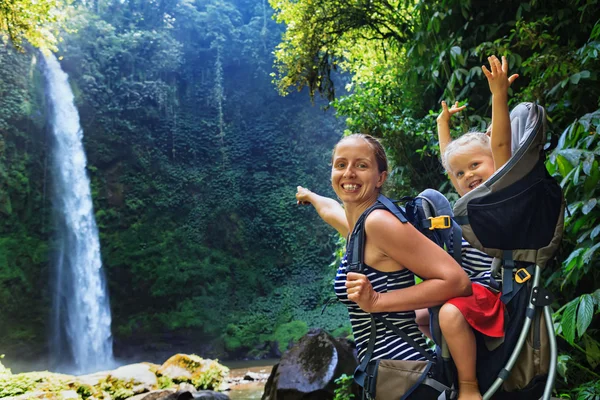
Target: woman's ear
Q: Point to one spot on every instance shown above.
(382, 178)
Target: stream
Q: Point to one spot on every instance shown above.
(253, 390)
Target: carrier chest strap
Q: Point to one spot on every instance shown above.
(513, 282)
(508, 265)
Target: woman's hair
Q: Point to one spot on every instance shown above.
(378, 150)
(468, 139)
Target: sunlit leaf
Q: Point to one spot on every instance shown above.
(587, 163)
(589, 206)
(595, 232)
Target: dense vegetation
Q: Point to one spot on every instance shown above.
(405, 57)
(194, 160)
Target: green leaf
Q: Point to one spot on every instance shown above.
(585, 312)
(568, 321)
(589, 206)
(595, 232)
(592, 351)
(455, 50)
(570, 262)
(587, 256)
(596, 297)
(561, 366)
(587, 163)
(564, 166)
(575, 78)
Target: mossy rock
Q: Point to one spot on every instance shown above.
(44, 382)
(3, 370)
(204, 374)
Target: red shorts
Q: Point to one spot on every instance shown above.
(483, 310)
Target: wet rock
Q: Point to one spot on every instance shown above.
(308, 370)
(153, 395)
(202, 394)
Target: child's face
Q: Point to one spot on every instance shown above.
(471, 167)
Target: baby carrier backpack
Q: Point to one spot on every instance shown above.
(517, 216)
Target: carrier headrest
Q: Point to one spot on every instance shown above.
(435, 203)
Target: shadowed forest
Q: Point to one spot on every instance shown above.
(196, 138)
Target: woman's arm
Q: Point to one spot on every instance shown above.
(328, 209)
(443, 277)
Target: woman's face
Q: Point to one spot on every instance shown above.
(355, 177)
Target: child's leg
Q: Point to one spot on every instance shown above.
(461, 343)
(422, 319)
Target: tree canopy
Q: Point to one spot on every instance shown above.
(35, 21)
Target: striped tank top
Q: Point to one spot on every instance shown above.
(476, 264)
(388, 345)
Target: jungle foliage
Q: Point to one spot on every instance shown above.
(404, 57)
(194, 160)
(37, 22)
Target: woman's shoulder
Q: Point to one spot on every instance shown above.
(382, 222)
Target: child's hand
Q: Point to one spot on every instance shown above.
(498, 78)
(447, 113)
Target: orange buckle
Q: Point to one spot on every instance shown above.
(441, 222)
(522, 275)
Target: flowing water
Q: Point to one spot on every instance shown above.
(81, 340)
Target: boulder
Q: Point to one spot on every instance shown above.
(202, 394)
(140, 375)
(309, 369)
(202, 373)
(153, 395)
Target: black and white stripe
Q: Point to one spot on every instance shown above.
(388, 344)
(476, 264)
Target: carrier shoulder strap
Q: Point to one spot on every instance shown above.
(356, 241)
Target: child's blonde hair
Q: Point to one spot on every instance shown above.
(468, 139)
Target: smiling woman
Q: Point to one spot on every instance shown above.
(393, 253)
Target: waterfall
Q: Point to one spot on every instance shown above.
(81, 339)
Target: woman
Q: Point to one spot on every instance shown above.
(393, 252)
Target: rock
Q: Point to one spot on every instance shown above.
(184, 386)
(29, 395)
(68, 395)
(308, 370)
(196, 370)
(92, 379)
(210, 395)
(202, 394)
(254, 376)
(139, 374)
(153, 395)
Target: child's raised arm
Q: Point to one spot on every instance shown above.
(443, 128)
(501, 131)
(328, 209)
